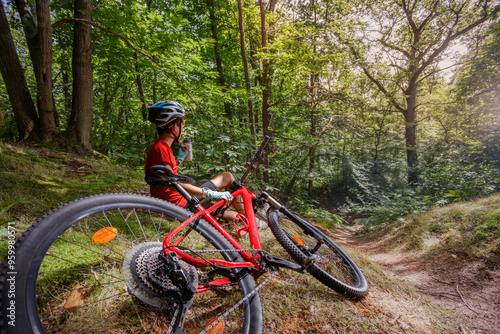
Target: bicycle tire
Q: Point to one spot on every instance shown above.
(55, 254)
(334, 267)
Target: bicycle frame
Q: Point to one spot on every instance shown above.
(249, 261)
(253, 232)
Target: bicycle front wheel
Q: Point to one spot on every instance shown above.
(93, 266)
(331, 265)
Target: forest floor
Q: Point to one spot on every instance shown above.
(471, 290)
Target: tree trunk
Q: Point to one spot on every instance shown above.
(411, 148)
(248, 85)
(266, 115)
(107, 115)
(312, 94)
(144, 108)
(39, 40)
(80, 122)
(15, 81)
(154, 88)
(312, 131)
(218, 58)
(410, 115)
(45, 102)
(31, 33)
(289, 186)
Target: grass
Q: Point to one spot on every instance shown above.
(35, 180)
(469, 230)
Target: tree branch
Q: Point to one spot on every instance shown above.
(393, 47)
(383, 90)
(439, 70)
(428, 18)
(450, 38)
(409, 18)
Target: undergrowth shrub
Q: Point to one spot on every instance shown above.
(460, 174)
(311, 209)
(386, 210)
(377, 191)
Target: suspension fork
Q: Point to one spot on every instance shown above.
(307, 227)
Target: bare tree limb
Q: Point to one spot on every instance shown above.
(383, 90)
(450, 37)
(393, 47)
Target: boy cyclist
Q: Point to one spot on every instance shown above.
(168, 117)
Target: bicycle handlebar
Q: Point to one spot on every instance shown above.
(258, 158)
(263, 145)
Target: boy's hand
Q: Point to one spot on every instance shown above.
(212, 194)
(182, 155)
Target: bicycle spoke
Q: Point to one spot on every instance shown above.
(114, 315)
(111, 316)
(154, 325)
(73, 270)
(87, 248)
(104, 226)
(126, 222)
(69, 290)
(80, 265)
(140, 225)
(80, 307)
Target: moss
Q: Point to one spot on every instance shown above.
(33, 181)
(492, 219)
(436, 228)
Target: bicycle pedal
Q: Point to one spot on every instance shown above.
(310, 260)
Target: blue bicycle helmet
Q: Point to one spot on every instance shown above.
(165, 112)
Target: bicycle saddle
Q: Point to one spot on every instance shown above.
(159, 176)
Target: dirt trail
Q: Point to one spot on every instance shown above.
(473, 291)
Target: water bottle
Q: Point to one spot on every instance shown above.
(189, 145)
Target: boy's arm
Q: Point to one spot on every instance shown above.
(208, 194)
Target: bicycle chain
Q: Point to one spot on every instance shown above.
(249, 295)
(172, 323)
(255, 251)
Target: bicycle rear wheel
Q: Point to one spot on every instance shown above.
(332, 266)
(89, 266)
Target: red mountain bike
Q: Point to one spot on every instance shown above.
(129, 263)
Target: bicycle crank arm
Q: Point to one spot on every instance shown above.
(273, 261)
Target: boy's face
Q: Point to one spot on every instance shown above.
(180, 126)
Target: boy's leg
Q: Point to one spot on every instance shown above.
(224, 181)
(228, 214)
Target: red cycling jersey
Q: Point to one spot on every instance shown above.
(161, 154)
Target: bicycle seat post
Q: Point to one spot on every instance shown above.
(192, 200)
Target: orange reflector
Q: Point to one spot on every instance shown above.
(217, 329)
(105, 234)
(297, 240)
